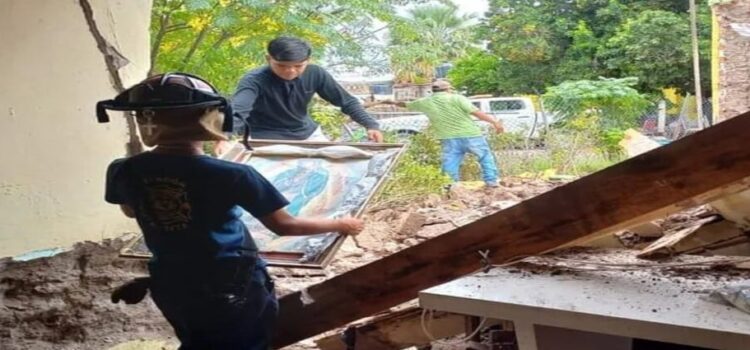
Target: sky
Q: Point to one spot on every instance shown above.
(478, 7)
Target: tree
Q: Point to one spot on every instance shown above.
(599, 110)
(476, 73)
(221, 39)
(428, 35)
(609, 103)
(654, 46)
(482, 72)
(555, 41)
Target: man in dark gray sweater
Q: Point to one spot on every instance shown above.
(273, 99)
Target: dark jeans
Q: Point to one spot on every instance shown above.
(226, 306)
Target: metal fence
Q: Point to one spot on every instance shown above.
(673, 121)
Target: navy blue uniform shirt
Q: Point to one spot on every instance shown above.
(188, 207)
(277, 109)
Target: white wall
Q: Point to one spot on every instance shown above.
(53, 154)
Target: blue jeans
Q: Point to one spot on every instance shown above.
(233, 309)
(455, 149)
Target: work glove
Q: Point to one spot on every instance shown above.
(132, 292)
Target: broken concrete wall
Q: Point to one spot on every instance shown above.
(54, 154)
(733, 19)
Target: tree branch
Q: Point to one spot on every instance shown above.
(194, 47)
(225, 35)
(163, 21)
(176, 27)
(370, 34)
(159, 37)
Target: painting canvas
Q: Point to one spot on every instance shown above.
(318, 179)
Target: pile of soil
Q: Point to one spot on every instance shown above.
(63, 302)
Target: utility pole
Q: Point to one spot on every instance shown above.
(696, 64)
(661, 124)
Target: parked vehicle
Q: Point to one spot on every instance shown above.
(517, 114)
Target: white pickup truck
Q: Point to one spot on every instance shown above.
(517, 114)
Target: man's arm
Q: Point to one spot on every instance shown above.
(391, 102)
(468, 107)
(243, 101)
(489, 119)
(284, 224)
(332, 92)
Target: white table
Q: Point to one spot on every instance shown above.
(633, 304)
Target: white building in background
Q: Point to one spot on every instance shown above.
(366, 86)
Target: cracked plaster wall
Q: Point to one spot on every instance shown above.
(734, 57)
(53, 154)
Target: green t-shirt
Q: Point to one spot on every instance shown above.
(449, 115)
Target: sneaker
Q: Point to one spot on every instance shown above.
(492, 184)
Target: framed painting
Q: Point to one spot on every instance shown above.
(319, 179)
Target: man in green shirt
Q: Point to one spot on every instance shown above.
(451, 122)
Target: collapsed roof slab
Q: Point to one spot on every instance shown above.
(694, 170)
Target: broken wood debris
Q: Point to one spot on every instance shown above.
(703, 235)
(666, 244)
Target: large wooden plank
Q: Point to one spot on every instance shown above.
(688, 172)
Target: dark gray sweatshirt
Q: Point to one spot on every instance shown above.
(277, 109)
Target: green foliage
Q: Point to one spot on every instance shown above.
(638, 49)
(475, 73)
(484, 73)
(546, 42)
(600, 109)
(429, 35)
(418, 172)
(609, 103)
(609, 142)
(222, 39)
(580, 60)
(330, 119)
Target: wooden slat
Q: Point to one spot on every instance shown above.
(665, 246)
(688, 172)
(703, 235)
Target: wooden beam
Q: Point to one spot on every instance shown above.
(685, 173)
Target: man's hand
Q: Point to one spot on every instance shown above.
(222, 147)
(375, 135)
(498, 127)
(373, 104)
(132, 292)
(394, 103)
(350, 226)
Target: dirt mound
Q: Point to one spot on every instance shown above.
(62, 302)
